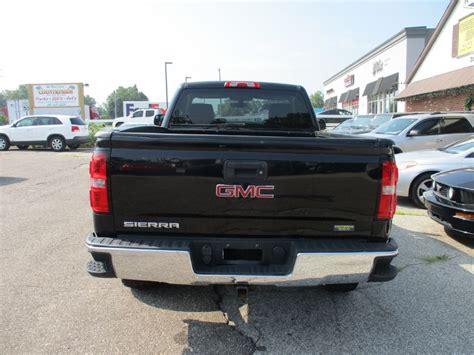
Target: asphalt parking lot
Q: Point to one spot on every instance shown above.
(50, 304)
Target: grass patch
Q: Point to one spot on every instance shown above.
(431, 259)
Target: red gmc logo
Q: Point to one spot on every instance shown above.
(251, 191)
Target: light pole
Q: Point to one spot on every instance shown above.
(115, 104)
(219, 74)
(186, 79)
(166, 81)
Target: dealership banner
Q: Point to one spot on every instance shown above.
(55, 95)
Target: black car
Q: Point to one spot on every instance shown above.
(451, 201)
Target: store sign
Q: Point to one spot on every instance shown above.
(465, 36)
(56, 95)
(349, 80)
(377, 66)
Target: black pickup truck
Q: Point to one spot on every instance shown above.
(239, 186)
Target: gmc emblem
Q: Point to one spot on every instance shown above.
(251, 191)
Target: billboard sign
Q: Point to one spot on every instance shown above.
(466, 36)
(130, 106)
(56, 95)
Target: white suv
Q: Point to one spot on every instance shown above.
(139, 116)
(54, 131)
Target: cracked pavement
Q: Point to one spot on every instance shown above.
(50, 304)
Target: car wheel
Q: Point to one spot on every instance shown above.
(73, 146)
(419, 186)
(341, 287)
(57, 143)
(138, 285)
(4, 143)
(22, 147)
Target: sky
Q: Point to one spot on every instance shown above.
(110, 43)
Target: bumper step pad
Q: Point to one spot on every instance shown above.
(99, 269)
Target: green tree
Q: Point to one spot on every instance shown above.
(121, 94)
(89, 100)
(317, 99)
(17, 94)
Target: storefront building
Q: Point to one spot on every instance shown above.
(443, 77)
(371, 83)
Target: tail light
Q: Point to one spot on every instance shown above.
(98, 190)
(242, 84)
(388, 192)
(74, 128)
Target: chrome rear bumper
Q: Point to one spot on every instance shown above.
(173, 264)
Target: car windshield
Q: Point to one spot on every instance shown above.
(394, 127)
(242, 108)
(379, 120)
(361, 121)
(344, 125)
(459, 147)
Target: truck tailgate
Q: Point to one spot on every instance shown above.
(205, 184)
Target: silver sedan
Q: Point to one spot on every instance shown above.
(415, 168)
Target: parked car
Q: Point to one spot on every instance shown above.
(140, 116)
(253, 194)
(451, 201)
(334, 117)
(367, 123)
(415, 168)
(54, 131)
(382, 118)
(357, 125)
(426, 131)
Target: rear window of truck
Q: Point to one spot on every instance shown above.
(255, 108)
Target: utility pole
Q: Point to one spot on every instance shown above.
(166, 81)
(115, 103)
(186, 79)
(219, 74)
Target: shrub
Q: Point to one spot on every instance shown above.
(93, 129)
(3, 120)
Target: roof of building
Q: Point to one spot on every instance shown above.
(406, 32)
(437, 31)
(453, 79)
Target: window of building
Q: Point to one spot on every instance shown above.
(382, 102)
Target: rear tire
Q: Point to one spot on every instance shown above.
(22, 147)
(57, 143)
(341, 287)
(138, 285)
(421, 184)
(4, 143)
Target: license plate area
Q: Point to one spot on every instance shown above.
(236, 256)
(240, 256)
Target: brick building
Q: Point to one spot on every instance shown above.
(443, 76)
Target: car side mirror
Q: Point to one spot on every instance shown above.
(158, 119)
(322, 124)
(413, 133)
